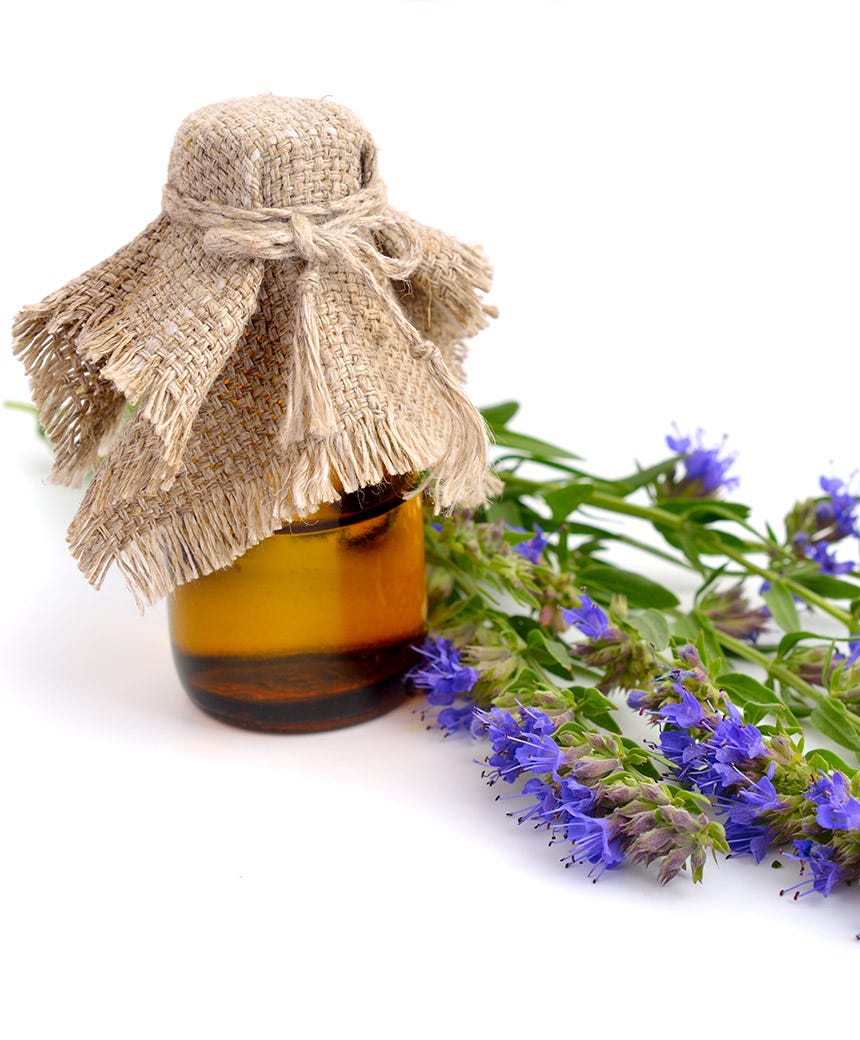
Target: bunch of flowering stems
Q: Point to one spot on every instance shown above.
(534, 632)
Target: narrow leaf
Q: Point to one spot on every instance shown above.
(557, 650)
(642, 477)
(746, 692)
(639, 590)
(654, 628)
(825, 585)
(506, 438)
(706, 510)
(825, 759)
(497, 415)
(566, 500)
(832, 719)
(780, 603)
(507, 510)
(791, 639)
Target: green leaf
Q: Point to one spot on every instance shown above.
(824, 758)
(688, 545)
(653, 627)
(507, 510)
(636, 757)
(506, 438)
(639, 590)
(708, 646)
(791, 639)
(831, 718)
(642, 477)
(597, 533)
(594, 706)
(825, 585)
(556, 650)
(711, 580)
(695, 540)
(565, 500)
(686, 629)
(747, 692)
(528, 677)
(562, 550)
(781, 605)
(522, 625)
(712, 544)
(497, 415)
(592, 696)
(705, 510)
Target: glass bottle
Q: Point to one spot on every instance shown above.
(313, 628)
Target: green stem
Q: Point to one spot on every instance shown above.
(21, 406)
(768, 665)
(662, 518)
(654, 551)
(795, 587)
(614, 504)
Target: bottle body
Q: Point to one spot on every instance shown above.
(314, 627)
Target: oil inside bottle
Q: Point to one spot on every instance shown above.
(314, 627)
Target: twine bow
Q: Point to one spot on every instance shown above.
(312, 233)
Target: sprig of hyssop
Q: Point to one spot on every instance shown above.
(534, 630)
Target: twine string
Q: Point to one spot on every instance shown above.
(308, 232)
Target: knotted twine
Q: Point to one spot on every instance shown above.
(284, 335)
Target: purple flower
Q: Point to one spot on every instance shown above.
(821, 554)
(744, 835)
(678, 442)
(442, 676)
(592, 842)
(760, 796)
(588, 618)
(534, 547)
(637, 699)
(686, 754)
(685, 715)
(837, 809)
(534, 721)
(519, 746)
(748, 839)
(826, 872)
(712, 762)
(837, 513)
(453, 719)
(546, 804)
(591, 836)
(539, 754)
(734, 741)
(501, 728)
(575, 797)
(705, 471)
(853, 651)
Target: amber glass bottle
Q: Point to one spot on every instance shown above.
(314, 627)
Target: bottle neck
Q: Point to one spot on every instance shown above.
(364, 504)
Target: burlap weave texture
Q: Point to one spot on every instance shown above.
(284, 335)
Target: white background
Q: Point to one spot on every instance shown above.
(669, 192)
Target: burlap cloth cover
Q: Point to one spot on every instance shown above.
(284, 335)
